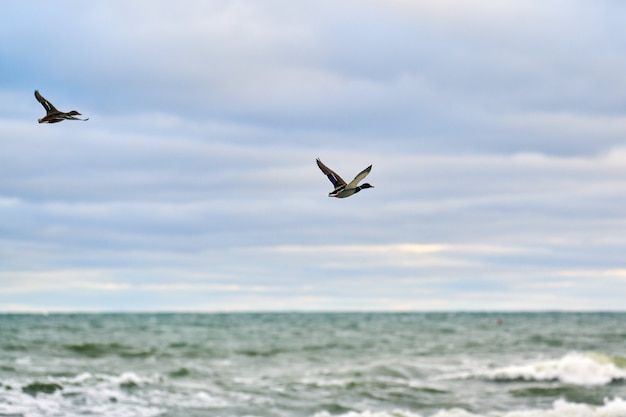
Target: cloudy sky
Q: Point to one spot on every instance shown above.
(496, 130)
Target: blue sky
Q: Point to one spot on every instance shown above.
(496, 130)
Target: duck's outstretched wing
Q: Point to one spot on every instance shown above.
(45, 103)
(337, 181)
(76, 118)
(359, 177)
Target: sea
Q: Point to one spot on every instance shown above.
(314, 365)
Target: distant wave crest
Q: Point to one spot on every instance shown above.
(573, 368)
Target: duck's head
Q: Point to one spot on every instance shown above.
(74, 113)
(366, 185)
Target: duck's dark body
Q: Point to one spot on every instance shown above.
(342, 189)
(52, 114)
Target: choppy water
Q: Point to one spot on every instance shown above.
(317, 365)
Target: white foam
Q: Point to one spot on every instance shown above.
(84, 394)
(573, 368)
(191, 399)
(122, 379)
(24, 360)
(394, 413)
(125, 394)
(560, 408)
(16, 402)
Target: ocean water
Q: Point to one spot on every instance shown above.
(314, 365)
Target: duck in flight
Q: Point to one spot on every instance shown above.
(52, 114)
(343, 190)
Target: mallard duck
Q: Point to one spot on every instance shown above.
(343, 190)
(52, 114)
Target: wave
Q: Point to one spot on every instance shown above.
(560, 408)
(125, 379)
(573, 368)
(573, 393)
(37, 387)
(80, 395)
(179, 373)
(97, 350)
(263, 353)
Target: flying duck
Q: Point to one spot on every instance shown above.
(343, 190)
(52, 114)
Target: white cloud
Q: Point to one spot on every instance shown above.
(615, 274)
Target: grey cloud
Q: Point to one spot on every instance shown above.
(494, 126)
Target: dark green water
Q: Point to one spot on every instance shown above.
(382, 365)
